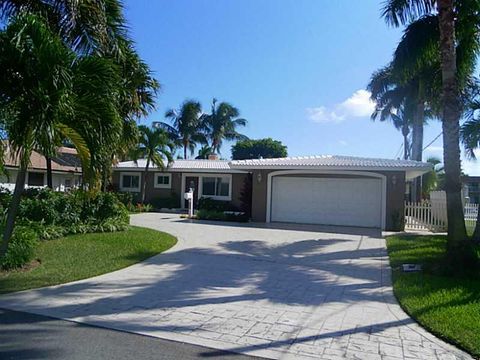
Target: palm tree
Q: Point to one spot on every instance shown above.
(221, 124)
(204, 152)
(186, 130)
(470, 135)
(464, 16)
(154, 146)
(36, 92)
(393, 102)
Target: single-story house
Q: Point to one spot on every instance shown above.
(66, 170)
(329, 190)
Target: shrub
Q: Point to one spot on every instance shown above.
(221, 215)
(139, 208)
(21, 249)
(171, 202)
(206, 203)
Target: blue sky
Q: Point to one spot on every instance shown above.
(296, 69)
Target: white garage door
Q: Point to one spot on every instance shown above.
(329, 201)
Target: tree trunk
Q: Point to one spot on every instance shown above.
(417, 142)
(459, 250)
(49, 172)
(13, 208)
(144, 184)
(185, 151)
(406, 146)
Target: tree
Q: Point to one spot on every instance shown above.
(261, 148)
(431, 180)
(97, 28)
(204, 152)
(42, 81)
(451, 14)
(222, 123)
(186, 128)
(470, 135)
(154, 146)
(393, 101)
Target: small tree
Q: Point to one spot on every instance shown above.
(154, 146)
(254, 149)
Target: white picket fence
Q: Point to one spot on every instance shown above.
(430, 216)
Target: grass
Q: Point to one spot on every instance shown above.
(82, 256)
(447, 306)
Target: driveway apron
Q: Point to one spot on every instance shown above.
(273, 290)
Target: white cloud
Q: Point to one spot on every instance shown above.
(357, 105)
(343, 142)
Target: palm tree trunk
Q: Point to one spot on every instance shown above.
(49, 172)
(406, 145)
(14, 204)
(459, 249)
(144, 184)
(417, 143)
(185, 151)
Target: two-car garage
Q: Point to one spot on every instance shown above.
(328, 200)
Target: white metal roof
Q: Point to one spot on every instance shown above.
(182, 165)
(327, 162)
(335, 162)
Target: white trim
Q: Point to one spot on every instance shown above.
(383, 179)
(200, 185)
(130, 173)
(189, 170)
(156, 185)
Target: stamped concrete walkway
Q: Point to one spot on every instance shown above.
(303, 292)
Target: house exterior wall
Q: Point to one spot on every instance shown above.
(58, 179)
(394, 194)
(153, 194)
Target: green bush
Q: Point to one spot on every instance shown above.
(53, 214)
(221, 215)
(171, 202)
(210, 204)
(21, 249)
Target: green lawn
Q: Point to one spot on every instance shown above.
(82, 256)
(448, 307)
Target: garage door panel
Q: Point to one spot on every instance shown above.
(333, 201)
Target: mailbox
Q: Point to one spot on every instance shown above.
(189, 195)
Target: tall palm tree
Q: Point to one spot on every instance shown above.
(154, 146)
(186, 128)
(222, 123)
(393, 101)
(451, 14)
(40, 83)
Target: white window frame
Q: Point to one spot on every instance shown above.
(137, 189)
(162, 186)
(215, 197)
(200, 185)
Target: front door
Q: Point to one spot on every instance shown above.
(191, 182)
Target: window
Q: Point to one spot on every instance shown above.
(35, 179)
(216, 187)
(163, 181)
(130, 182)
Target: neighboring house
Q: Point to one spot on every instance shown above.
(66, 170)
(471, 185)
(330, 190)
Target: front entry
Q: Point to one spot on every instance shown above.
(192, 182)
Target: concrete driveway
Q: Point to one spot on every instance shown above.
(283, 292)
